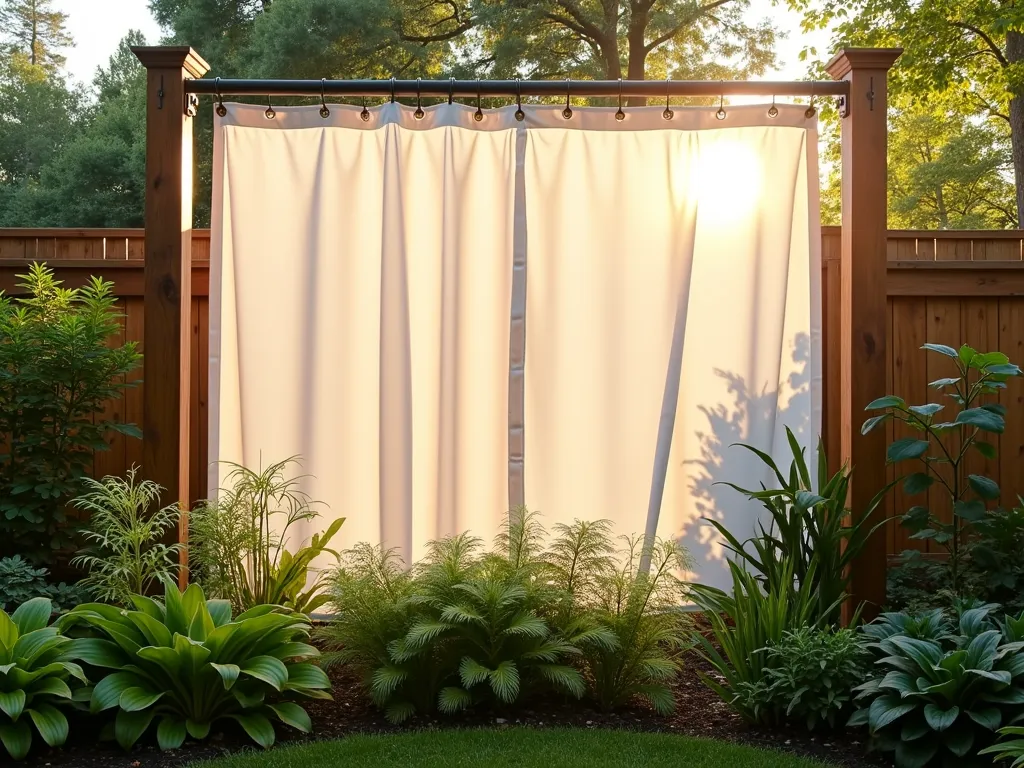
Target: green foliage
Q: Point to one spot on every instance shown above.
(995, 568)
(979, 376)
(35, 669)
(464, 627)
(125, 553)
(185, 663)
(1008, 748)
(59, 371)
(942, 689)
(239, 543)
(21, 582)
(745, 624)
(809, 678)
(915, 583)
(807, 537)
(35, 30)
(640, 651)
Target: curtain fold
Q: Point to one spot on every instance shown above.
(448, 317)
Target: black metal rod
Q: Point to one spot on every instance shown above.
(490, 88)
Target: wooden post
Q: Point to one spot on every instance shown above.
(863, 309)
(168, 274)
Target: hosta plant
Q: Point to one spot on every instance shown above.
(943, 441)
(185, 663)
(942, 689)
(35, 671)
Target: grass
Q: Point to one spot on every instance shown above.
(516, 748)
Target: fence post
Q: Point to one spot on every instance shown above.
(168, 273)
(863, 308)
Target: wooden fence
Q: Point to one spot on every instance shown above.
(944, 287)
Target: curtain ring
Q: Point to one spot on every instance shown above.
(520, 115)
(418, 114)
(811, 111)
(324, 111)
(567, 112)
(479, 114)
(365, 114)
(221, 110)
(451, 89)
(270, 113)
(720, 114)
(773, 111)
(668, 114)
(620, 115)
(392, 89)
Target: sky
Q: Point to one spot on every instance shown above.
(98, 25)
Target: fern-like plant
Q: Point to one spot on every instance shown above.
(125, 552)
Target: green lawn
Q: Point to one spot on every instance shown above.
(518, 748)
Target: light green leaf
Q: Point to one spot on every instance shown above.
(942, 349)
(135, 699)
(170, 733)
(107, 692)
(925, 410)
(306, 675)
(97, 652)
(32, 615)
(873, 422)
(889, 401)
(258, 727)
(52, 686)
(228, 673)
(268, 669)
(292, 714)
(50, 722)
(452, 699)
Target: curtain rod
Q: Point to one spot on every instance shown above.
(487, 88)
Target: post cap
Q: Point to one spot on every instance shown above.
(849, 59)
(171, 57)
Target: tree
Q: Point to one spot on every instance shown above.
(33, 28)
(971, 48)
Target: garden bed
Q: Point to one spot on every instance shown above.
(699, 712)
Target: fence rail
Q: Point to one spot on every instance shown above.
(942, 287)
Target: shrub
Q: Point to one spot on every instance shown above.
(807, 537)
(126, 554)
(916, 584)
(465, 627)
(995, 569)
(640, 609)
(186, 663)
(745, 624)
(21, 582)
(58, 372)
(35, 668)
(943, 689)
(979, 375)
(809, 678)
(239, 543)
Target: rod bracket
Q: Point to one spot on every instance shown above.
(843, 103)
(191, 104)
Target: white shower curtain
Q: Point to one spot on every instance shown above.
(448, 317)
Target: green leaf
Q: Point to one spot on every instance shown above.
(472, 672)
(505, 681)
(985, 449)
(889, 401)
(451, 700)
(197, 730)
(107, 692)
(50, 722)
(981, 418)
(220, 611)
(305, 675)
(1005, 369)
(989, 718)
(906, 448)
(967, 354)
(873, 422)
(170, 733)
(942, 349)
(16, 738)
(919, 482)
(99, 653)
(258, 727)
(12, 703)
(917, 753)
(940, 719)
(129, 726)
(971, 511)
(228, 673)
(942, 383)
(292, 714)
(32, 615)
(885, 710)
(135, 699)
(983, 486)
(8, 631)
(925, 410)
(268, 669)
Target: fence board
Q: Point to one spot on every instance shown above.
(947, 287)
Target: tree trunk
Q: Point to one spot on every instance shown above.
(636, 40)
(1014, 54)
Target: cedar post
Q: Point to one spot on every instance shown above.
(863, 307)
(168, 274)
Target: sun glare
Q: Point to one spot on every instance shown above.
(729, 179)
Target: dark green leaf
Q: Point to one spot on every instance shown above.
(942, 383)
(971, 511)
(985, 449)
(919, 482)
(940, 719)
(942, 349)
(170, 733)
(873, 422)
(926, 410)
(982, 419)
(906, 448)
(983, 486)
(889, 401)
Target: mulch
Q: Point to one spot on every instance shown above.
(699, 712)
